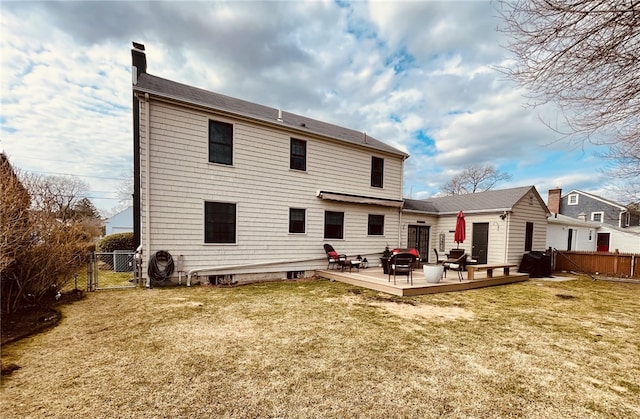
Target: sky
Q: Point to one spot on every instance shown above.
(422, 76)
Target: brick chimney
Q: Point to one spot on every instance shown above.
(553, 202)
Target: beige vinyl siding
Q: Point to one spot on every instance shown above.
(263, 188)
(497, 236)
(524, 212)
(421, 220)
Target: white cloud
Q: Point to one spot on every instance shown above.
(418, 75)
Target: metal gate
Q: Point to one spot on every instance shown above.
(112, 270)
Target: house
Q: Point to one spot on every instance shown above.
(566, 233)
(121, 222)
(243, 191)
(502, 225)
(579, 204)
(617, 224)
(239, 191)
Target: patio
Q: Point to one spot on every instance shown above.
(374, 278)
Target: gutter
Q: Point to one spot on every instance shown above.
(466, 212)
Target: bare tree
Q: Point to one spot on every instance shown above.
(474, 178)
(125, 189)
(57, 195)
(44, 240)
(583, 56)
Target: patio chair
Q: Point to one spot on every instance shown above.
(459, 265)
(440, 261)
(333, 258)
(402, 263)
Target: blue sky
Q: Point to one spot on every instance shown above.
(419, 75)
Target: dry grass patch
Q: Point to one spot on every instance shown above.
(325, 349)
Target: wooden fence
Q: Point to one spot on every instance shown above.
(622, 265)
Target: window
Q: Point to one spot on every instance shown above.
(333, 225)
(573, 199)
(376, 225)
(377, 172)
(528, 238)
(298, 159)
(597, 216)
(220, 142)
(219, 222)
(296, 220)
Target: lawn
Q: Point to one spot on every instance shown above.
(321, 349)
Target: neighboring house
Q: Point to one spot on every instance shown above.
(121, 222)
(623, 240)
(566, 233)
(579, 204)
(618, 225)
(237, 188)
(501, 225)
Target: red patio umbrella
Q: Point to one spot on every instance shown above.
(461, 229)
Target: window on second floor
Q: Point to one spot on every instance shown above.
(220, 142)
(376, 225)
(377, 172)
(333, 225)
(298, 156)
(573, 199)
(297, 221)
(598, 217)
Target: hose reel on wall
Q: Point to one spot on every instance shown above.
(161, 267)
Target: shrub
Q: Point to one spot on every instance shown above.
(117, 241)
(39, 249)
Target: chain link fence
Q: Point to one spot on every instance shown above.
(115, 269)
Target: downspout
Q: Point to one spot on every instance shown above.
(147, 188)
(400, 226)
(402, 198)
(506, 238)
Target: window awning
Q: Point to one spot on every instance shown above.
(359, 199)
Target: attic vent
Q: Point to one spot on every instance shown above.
(279, 115)
(364, 139)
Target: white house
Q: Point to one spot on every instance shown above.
(121, 222)
(237, 188)
(623, 240)
(566, 233)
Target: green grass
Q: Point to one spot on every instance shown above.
(300, 349)
(106, 279)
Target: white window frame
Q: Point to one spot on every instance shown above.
(601, 213)
(573, 199)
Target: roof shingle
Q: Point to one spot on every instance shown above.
(503, 199)
(148, 83)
